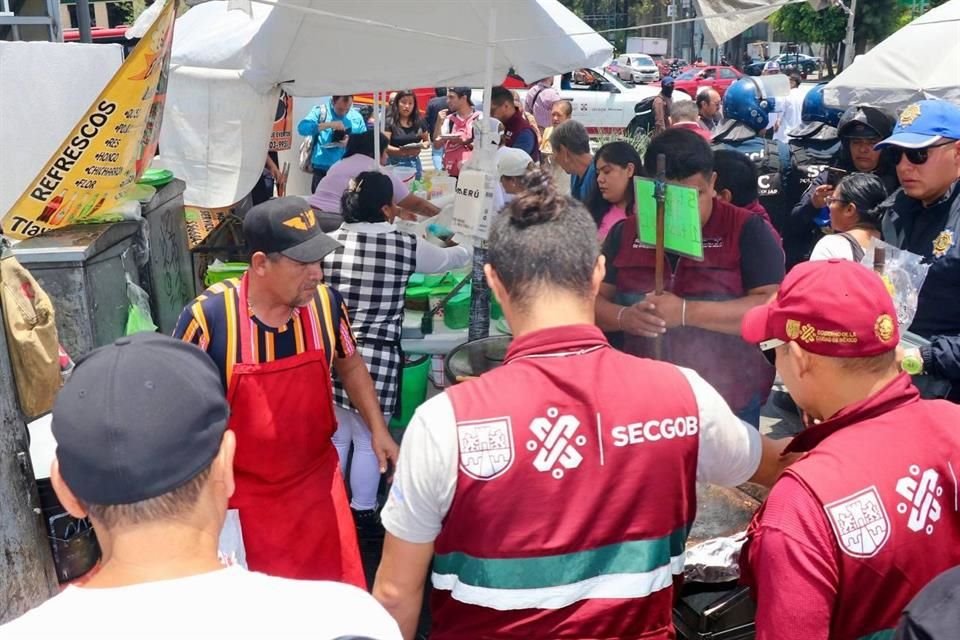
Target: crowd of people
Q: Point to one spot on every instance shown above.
(553, 496)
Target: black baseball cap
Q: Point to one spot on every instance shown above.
(287, 226)
(138, 419)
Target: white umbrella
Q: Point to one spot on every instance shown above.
(917, 62)
(226, 67)
(323, 47)
(320, 47)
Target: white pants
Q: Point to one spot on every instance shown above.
(365, 469)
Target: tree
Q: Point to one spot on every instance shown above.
(800, 23)
(876, 24)
(875, 20)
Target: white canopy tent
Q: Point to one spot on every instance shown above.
(917, 62)
(227, 67)
(726, 19)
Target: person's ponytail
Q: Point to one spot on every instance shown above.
(365, 197)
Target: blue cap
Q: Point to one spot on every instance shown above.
(924, 124)
(667, 81)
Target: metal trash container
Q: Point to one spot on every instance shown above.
(718, 610)
(714, 612)
(168, 275)
(83, 269)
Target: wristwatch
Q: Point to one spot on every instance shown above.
(912, 362)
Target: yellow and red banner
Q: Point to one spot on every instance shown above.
(109, 149)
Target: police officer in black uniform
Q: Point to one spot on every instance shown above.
(859, 129)
(814, 147)
(748, 114)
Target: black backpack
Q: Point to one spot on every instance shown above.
(643, 121)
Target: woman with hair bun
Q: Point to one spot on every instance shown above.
(554, 493)
(854, 216)
(371, 273)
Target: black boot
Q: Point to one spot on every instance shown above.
(368, 524)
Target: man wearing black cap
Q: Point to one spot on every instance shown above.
(143, 449)
(275, 334)
(661, 105)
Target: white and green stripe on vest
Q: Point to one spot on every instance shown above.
(633, 569)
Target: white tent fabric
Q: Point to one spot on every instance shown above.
(917, 62)
(726, 19)
(226, 67)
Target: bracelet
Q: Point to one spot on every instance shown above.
(683, 313)
(620, 318)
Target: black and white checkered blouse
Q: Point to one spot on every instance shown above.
(371, 274)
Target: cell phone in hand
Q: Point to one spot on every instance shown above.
(834, 175)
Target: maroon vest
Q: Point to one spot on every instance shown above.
(513, 126)
(734, 368)
(885, 473)
(575, 493)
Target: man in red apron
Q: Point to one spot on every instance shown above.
(860, 523)
(274, 334)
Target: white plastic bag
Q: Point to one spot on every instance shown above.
(903, 273)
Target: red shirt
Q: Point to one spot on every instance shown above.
(855, 528)
(793, 546)
(696, 128)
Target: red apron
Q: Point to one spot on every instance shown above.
(294, 513)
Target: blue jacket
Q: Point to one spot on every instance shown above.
(324, 157)
(772, 160)
(938, 307)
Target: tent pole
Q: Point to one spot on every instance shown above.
(376, 131)
(480, 299)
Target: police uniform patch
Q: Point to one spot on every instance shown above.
(909, 114)
(883, 328)
(942, 243)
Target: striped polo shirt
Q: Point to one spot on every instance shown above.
(211, 322)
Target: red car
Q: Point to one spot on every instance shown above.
(694, 79)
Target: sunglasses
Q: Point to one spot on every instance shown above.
(915, 156)
(769, 349)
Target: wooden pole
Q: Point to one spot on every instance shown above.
(27, 575)
(660, 195)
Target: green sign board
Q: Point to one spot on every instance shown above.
(681, 232)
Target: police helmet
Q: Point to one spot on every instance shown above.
(745, 103)
(814, 110)
(864, 121)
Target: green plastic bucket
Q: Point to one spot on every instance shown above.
(456, 313)
(413, 388)
(223, 271)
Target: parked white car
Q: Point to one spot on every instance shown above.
(600, 100)
(637, 68)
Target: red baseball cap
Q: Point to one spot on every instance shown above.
(834, 308)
